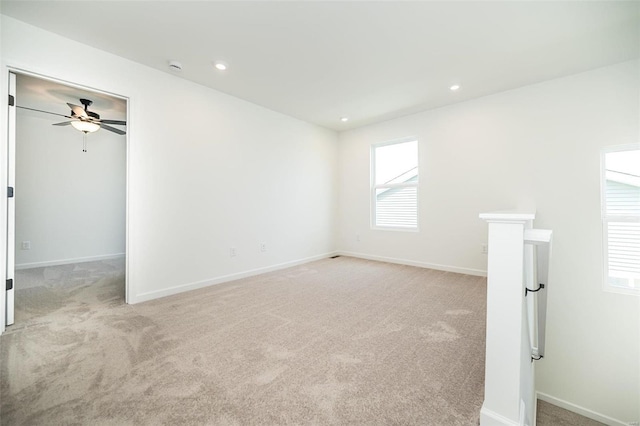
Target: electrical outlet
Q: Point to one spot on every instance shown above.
(26, 245)
(263, 247)
(485, 249)
(233, 252)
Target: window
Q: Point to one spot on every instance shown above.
(394, 189)
(621, 218)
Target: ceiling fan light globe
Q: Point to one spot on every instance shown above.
(85, 126)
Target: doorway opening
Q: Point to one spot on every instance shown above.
(69, 204)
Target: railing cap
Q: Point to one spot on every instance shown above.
(537, 236)
(515, 216)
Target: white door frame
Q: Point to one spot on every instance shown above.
(5, 158)
(11, 205)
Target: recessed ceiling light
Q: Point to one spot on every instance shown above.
(220, 65)
(454, 87)
(344, 119)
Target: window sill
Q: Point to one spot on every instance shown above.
(391, 228)
(621, 290)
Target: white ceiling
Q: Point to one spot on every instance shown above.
(370, 61)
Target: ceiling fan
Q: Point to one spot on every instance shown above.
(84, 120)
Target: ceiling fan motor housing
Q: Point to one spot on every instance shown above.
(92, 115)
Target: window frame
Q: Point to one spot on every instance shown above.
(374, 186)
(610, 218)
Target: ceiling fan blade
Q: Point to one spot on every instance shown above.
(46, 112)
(78, 110)
(64, 123)
(112, 129)
(120, 122)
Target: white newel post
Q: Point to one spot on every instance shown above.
(509, 381)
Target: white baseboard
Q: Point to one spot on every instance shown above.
(582, 411)
(144, 297)
(456, 269)
(491, 418)
(68, 261)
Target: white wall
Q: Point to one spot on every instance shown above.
(69, 204)
(535, 146)
(206, 171)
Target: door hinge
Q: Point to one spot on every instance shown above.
(12, 100)
(9, 283)
(10, 192)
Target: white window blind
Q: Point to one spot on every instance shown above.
(395, 185)
(621, 218)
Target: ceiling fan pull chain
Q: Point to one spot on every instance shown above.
(84, 142)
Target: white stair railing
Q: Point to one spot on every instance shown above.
(517, 274)
(540, 240)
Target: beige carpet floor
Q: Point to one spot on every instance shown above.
(337, 341)
(550, 415)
